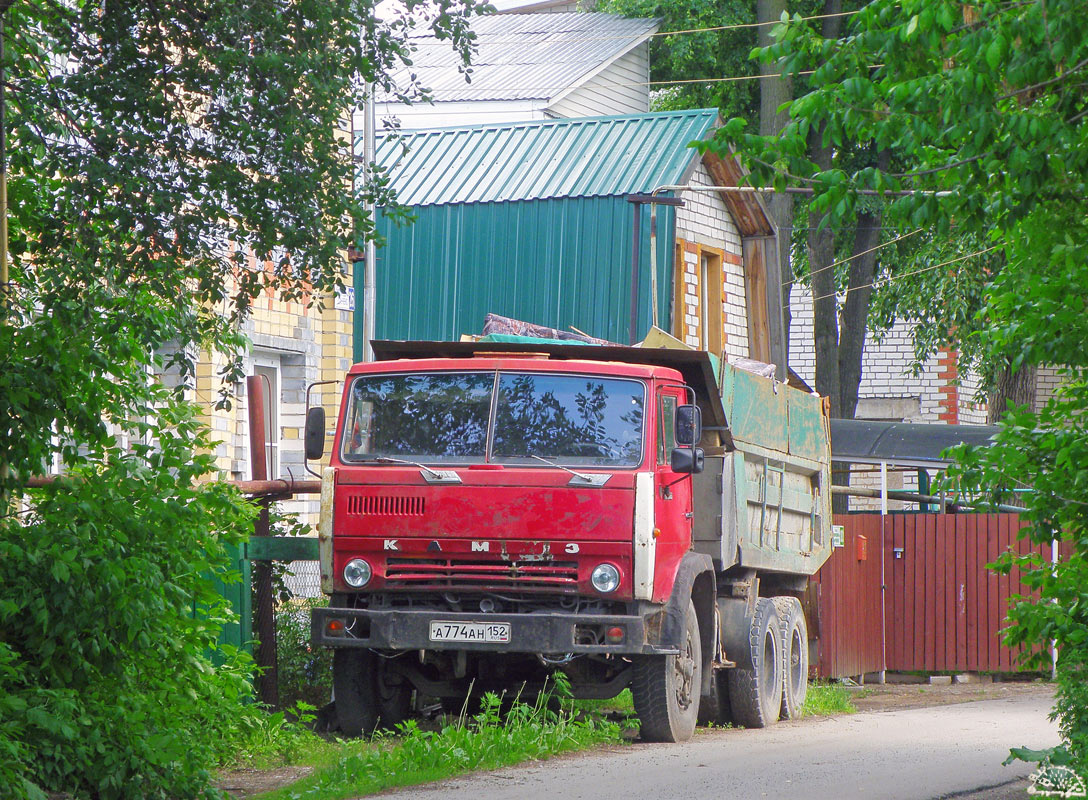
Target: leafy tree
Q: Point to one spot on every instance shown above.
(168, 161)
(988, 102)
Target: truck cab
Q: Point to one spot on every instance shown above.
(489, 518)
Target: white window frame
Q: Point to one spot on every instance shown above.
(270, 365)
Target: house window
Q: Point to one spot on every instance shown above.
(268, 369)
(710, 301)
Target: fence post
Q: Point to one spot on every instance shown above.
(267, 679)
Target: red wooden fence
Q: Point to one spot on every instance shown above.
(843, 603)
(943, 610)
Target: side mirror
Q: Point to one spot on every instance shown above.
(689, 425)
(315, 433)
(687, 459)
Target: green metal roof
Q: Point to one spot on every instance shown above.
(586, 157)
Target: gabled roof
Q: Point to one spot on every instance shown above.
(586, 157)
(525, 56)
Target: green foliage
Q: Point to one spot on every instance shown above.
(168, 162)
(304, 672)
(486, 740)
(109, 611)
(697, 56)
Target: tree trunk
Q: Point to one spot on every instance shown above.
(854, 319)
(825, 327)
(1012, 388)
(773, 92)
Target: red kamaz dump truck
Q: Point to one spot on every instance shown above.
(631, 517)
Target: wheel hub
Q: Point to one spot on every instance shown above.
(685, 672)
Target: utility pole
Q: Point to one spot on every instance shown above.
(369, 276)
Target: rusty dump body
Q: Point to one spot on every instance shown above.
(554, 525)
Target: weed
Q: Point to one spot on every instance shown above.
(828, 698)
(304, 672)
(487, 740)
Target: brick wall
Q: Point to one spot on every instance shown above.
(889, 388)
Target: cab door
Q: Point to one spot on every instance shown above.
(672, 495)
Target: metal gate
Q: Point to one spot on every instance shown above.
(943, 610)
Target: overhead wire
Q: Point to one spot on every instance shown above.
(834, 264)
(634, 39)
(894, 278)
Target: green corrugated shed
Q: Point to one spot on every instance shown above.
(528, 220)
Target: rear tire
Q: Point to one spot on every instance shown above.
(666, 688)
(755, 695)
(367, 695)
(794, 633)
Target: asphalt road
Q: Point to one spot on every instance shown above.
(913, 754)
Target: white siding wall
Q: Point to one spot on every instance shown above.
(620, 88)
(446, 115)
(705, 220)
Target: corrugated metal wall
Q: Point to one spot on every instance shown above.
(555, 262)
(943, 609)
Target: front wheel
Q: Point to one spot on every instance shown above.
(666, 688)
(367, 694)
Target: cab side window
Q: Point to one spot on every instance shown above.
(666, 427)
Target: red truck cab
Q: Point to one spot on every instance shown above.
(488, 520)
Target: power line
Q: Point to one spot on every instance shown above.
(894, 278)
(484, 39)
(859, 255)
(756, 24)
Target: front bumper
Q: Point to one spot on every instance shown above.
(529, 633)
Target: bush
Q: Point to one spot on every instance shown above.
(304, 672)
(109, 612)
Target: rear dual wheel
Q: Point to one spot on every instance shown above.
(755, 693)
(794, 635)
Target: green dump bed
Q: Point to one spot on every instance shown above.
(766, 504)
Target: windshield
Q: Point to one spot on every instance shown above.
(427, 417)
(569, 419)
(447, 418)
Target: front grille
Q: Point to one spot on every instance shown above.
(457, 573)
(386, 505)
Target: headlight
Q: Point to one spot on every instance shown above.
(605, 578)
(357, 573)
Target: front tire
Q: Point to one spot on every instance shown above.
(367, 695)
(755, 694)
(794, 656)
(666, 688)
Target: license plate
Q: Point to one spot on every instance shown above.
(470, 632)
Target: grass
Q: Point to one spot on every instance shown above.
(413, 756)
(825, 699)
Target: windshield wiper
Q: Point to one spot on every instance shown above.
(430, 475)
(579, 477)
